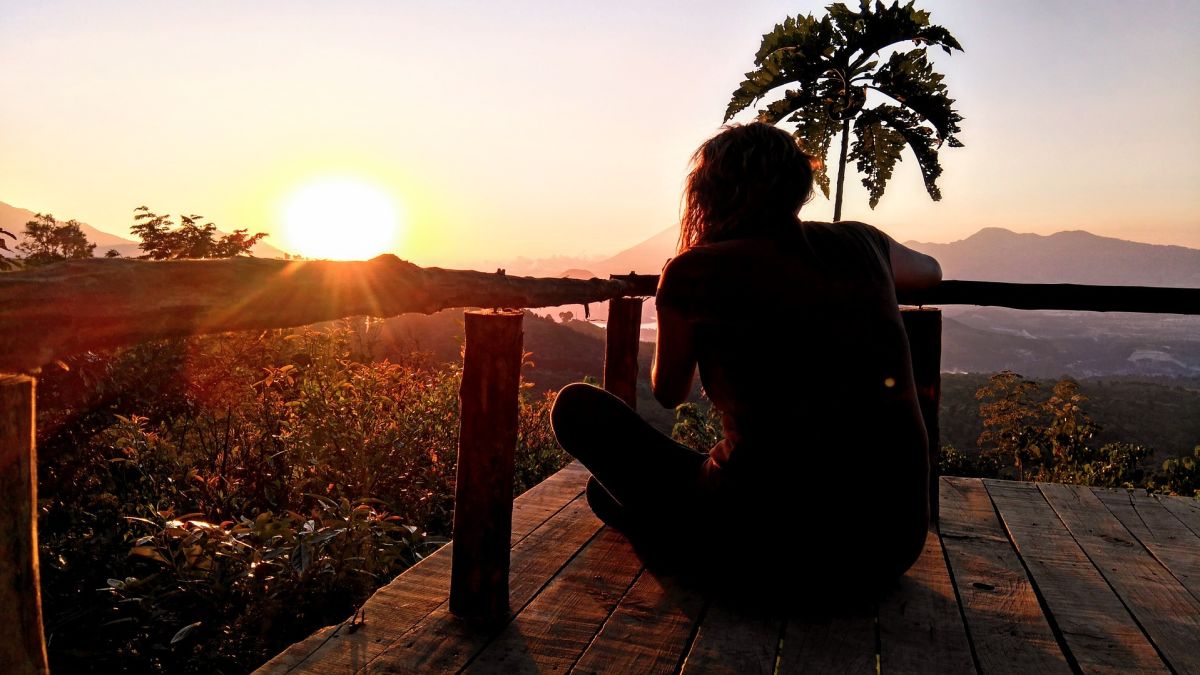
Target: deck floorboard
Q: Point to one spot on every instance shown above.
(1021, 577)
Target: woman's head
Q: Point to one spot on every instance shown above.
(749, 179)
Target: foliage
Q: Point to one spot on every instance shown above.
(698, 429)
(833, 63)
(48, 241)
(1180, 475)
(162, 240)
(1047, 440)
(6, 262)
(230, 494)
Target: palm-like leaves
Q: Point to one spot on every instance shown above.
(831, 63)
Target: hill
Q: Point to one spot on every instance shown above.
(13, 219)
(1074, 257)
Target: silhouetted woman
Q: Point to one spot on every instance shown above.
(795, 329)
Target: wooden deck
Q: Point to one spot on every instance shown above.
(1024, 578)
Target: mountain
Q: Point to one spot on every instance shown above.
(1073, 257)
(13, 219)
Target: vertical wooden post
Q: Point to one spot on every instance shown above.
(22, 646)
(621, 348)
(483, 493)
(924, 328)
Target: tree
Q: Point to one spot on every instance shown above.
(47, 241)
(6, 262)
(833, 62)
(161, 240)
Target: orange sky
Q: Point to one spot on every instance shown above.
(542, 128)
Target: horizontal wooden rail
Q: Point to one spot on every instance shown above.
(1078, 297)
(54, 311)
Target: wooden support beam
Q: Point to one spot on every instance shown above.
(483, 492)
(621, 348)
(924, 328)
(66, 308)
(22, 646)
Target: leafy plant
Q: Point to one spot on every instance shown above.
(162, 240)
(48, 241)
(834, 63)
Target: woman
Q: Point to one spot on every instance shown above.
(795, 329)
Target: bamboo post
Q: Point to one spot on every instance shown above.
(924, 328)
(621, 348)
(483, 494)
(22, 647)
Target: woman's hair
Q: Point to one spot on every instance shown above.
(748, 179)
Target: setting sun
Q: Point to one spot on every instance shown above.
(341, 219)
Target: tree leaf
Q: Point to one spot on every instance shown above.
(875, 152)
(184, 632)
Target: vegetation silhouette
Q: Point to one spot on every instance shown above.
(833, 62)
(48, 241)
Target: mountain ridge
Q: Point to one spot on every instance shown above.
(13, 219)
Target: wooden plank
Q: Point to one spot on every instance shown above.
(397, 607)
(841, 642)
(920, 627)
(1166, 537)
(1164, 608)
(1004, 621)
(1186, 509)
(555, 628)
(648, 633)
(734, 640)
(1099, 632)
(442, 642)
(22, 646)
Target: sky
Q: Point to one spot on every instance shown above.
(540, 128)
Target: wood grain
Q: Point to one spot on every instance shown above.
(734, 640)
(1175, 546)
(394, 609)
(555, 628)
(487, 446)
(22, 645)
(1186, 509)
(920, 627)
(1164, 608)
(442, 642)
(649, 630)
(53, 311)
(623, 337)
(1004, 621)
(1099, 632)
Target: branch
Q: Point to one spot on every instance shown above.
(66, 308)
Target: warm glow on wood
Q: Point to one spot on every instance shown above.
(341, 219)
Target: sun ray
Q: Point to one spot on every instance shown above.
(342, 219)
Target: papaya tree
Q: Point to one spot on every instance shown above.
(831, 68)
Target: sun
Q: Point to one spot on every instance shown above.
(341, 219)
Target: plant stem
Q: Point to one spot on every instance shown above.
(837, 202)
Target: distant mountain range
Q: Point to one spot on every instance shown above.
(994, 254)
(13, 219)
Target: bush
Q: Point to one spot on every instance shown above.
(207, 502)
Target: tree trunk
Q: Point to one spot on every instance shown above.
(837, 201)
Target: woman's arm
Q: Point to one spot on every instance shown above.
(674, 359)
(913, 270)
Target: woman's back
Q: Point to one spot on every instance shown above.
(799, 343)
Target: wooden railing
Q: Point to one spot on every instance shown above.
(49, 313)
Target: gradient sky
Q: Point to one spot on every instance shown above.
(542, 128)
